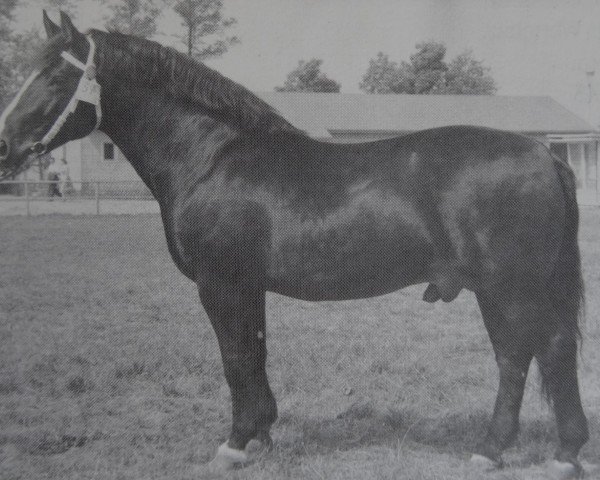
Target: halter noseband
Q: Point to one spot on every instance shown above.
(88, 90)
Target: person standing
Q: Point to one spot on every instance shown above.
(53, 178)
(63, 176)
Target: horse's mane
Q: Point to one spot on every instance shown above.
(146, 63)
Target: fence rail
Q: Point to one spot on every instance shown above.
(80, 193)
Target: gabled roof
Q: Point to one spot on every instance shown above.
(321, 113)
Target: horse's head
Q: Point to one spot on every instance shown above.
(59, 102)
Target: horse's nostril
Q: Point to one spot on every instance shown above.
(3, 149)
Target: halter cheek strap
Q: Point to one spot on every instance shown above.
(88, 90)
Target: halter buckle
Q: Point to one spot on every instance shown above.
(38, 148)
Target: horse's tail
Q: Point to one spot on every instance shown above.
(566, 285)
(567, 282)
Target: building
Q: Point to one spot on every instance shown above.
(357, 117)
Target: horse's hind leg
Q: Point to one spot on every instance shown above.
(523, 322)
(237, 313)
(511, 324)
(557, 358)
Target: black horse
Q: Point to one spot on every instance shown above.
(250, 204)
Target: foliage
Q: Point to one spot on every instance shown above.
(6, 10)
(67, 6)
(307, 77)
(6, 48)
(16, 51)
(428, 73)
(466, 75)
(382, 76)
(205, 27)
(428, 67)
(133, 17)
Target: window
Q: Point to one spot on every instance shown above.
(108, 151)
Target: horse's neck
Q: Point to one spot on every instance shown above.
(158, 135)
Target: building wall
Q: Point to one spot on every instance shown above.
(72, 153)
(95, 168)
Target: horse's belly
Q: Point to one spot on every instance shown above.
(335, 286)
(347, 263)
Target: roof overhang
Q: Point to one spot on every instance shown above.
(574, 137)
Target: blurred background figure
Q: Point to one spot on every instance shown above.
(63, 177)
(53, 176)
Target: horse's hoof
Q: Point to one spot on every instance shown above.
(227, 459)
(257, 449)
(265, 439)
(564, 470)
(484, 464)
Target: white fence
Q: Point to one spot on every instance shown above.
(29, 197)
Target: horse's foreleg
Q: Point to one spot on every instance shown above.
(509, 325)
(237, 313)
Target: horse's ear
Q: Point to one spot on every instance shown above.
(71, 34)
(52, 28)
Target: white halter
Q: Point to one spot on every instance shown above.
(88, 90)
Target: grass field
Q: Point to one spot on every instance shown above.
(109, 369)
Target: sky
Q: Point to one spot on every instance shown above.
(533, 47)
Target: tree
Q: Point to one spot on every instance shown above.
(428, 67)
(133, 17)
(205, 28)
(6, 49)
(428, 73)
(466, 75)
(6, 11)
(16, 51)
(383, 76)
(307, 77)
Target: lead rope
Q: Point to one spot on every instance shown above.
(88, 90)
